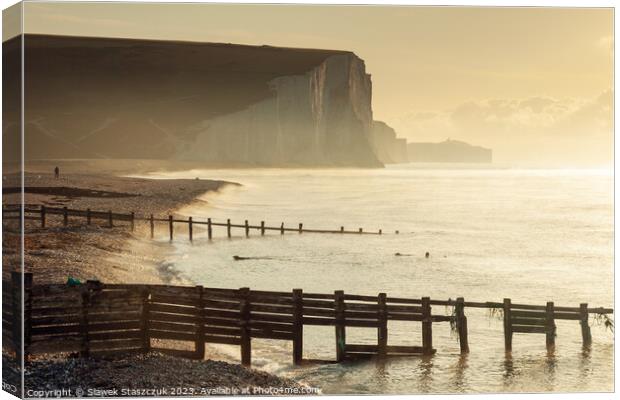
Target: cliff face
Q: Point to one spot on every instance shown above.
(321, 117)
(226, 105)
(388, 148)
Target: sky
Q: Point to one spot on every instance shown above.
(534, 84)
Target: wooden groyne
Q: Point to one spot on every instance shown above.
(100, 319)
(42, 214)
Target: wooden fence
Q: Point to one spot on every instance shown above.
(101, 319)
(41, 214)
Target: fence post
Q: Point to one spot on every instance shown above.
(65, 216)
(133, 221)
(360, 231)
(550, 334)
(171, 226)
(27, 312)
(461, 324)
(247, 228)
(341, 337)
(298, 326)
(110, 218)
(507, 326)
(262, 228)
(190, 227)
(42, 216)
(200, 337)
(246, 340)
(427, 326)
(209, 228)
(88, 216)
(282, 228)
(152, 223)
(144, 321)
(85, 296)
(228, 227)
(586, 335)
(342, 229)
(382, 332)
(16, 309)
(380, 231)
(301, 227)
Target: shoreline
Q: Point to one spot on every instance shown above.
(111, 255)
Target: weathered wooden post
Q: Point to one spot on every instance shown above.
(382, 331)
(85, 343)
(65, 216)
(88, 216)
(42, 216)
(342, 229)
(380, 231)
(133, 221)
(21, 301)
(228, 227)
(144, 321)
(507, 326)
(247, 228)
(298, 326)
(301, 227)
(152, 222)
(282, 228)
(199, 345)
(427, 326)
(27, 299)
(246, 340)
(190, 227)
(341, 338)
(586, 335)
(262, 228)
(110, 218)
(209, 228)
(171, 226)
(461, 324)
(16, 310)
(396, 232)
(550, 325)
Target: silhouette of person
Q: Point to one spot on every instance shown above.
(56, 172)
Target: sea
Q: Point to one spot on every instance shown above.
(532, 235)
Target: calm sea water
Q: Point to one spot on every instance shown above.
(531, 235)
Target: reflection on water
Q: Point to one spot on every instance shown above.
(533, 236)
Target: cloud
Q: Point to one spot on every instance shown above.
(535, 130)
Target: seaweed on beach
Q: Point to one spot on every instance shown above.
(605, 320)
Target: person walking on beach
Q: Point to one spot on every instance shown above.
(56, 172)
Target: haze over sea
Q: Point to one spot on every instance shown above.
(530, 235)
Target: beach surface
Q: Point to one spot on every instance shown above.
(111, 255)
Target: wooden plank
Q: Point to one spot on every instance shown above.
(171, 326)
(113, 326)
(318, 304)
(317, 312)
(222, 322)
(527, 314)
(157, 316)
(318, 321)
(222, 313)
(274, 309)
(130, 334)
(529, 321)
(528, 329)
(361, 307)
(222, 331)
(221, 305)
(270, 326)
(567, 316)
(223, 340)
(262, 334)
(166, 308)
(156, 334)
(50, 330)
(174, 300)
(361, 323)
(271, 317)
(404, 309)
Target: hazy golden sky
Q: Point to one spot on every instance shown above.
(514, 79)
